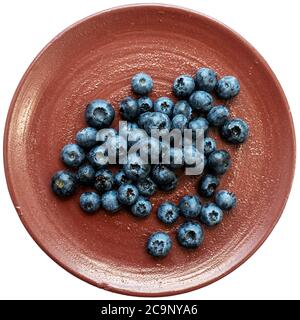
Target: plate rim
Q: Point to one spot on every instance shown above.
(9, 179)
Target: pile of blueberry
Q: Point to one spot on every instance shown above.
(132, 185)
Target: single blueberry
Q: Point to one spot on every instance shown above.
(146, 187)
(211, 214)
(228, 87)
(159, 121)
(209, 145)
(164, 105)
(198, 124)
(63, 183)
(206, 79)
(110, 201)
(86, 174)
(168, 212)
(225, 200)
(143, 118)
(218, 115)
(201, 101)
(235, 131)
(182, 107)
(90, 202)
(98, 156)
(104, 180)
(145, 104)
(99, 114)
(190, 206)
(219, 162)
(190, 234)
(165, 178)
(179, 122)
(142, 84)
(86, 138)
(183, 86)
(135, 168)
(142, 207)
(129, 109)
(120, 178)
(72, 155)
(128, 194)
(207, 185)
(159, 244)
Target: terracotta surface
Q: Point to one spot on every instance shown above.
(96, 58)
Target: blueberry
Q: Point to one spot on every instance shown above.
(165, 178)
(121, 178)
(72, 155)
(142, 207)
(128, 194)
(90, 201)
(146, 187)
(211, 214)
(201, 101)
(143, 118)
(176, 158)
(145, 104)
(168, 212)
(110, 201)
(104, 180)
(207, 185)
(86, 138)
(86, 174)
(141, 84)
(179, 122)
(219, 161)
(164, 105)
(98, 156)
(63, 183)
(99, 114)
(159, 244)
(159, 121)
(228, 87)
(209, 145)
(218, 115)
(197, 124)
(129, 109)
(206, 79)
(225, 200)
(107, 133)
(235, 131)
(190, 206)
(182, 107)
(135, 168)
(190, 234)
(183, 86)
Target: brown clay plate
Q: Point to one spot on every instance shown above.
(95, 58)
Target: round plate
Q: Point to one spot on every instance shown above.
(96, 58)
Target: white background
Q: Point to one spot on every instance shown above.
(272, 27)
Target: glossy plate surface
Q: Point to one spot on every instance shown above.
(96, 58)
